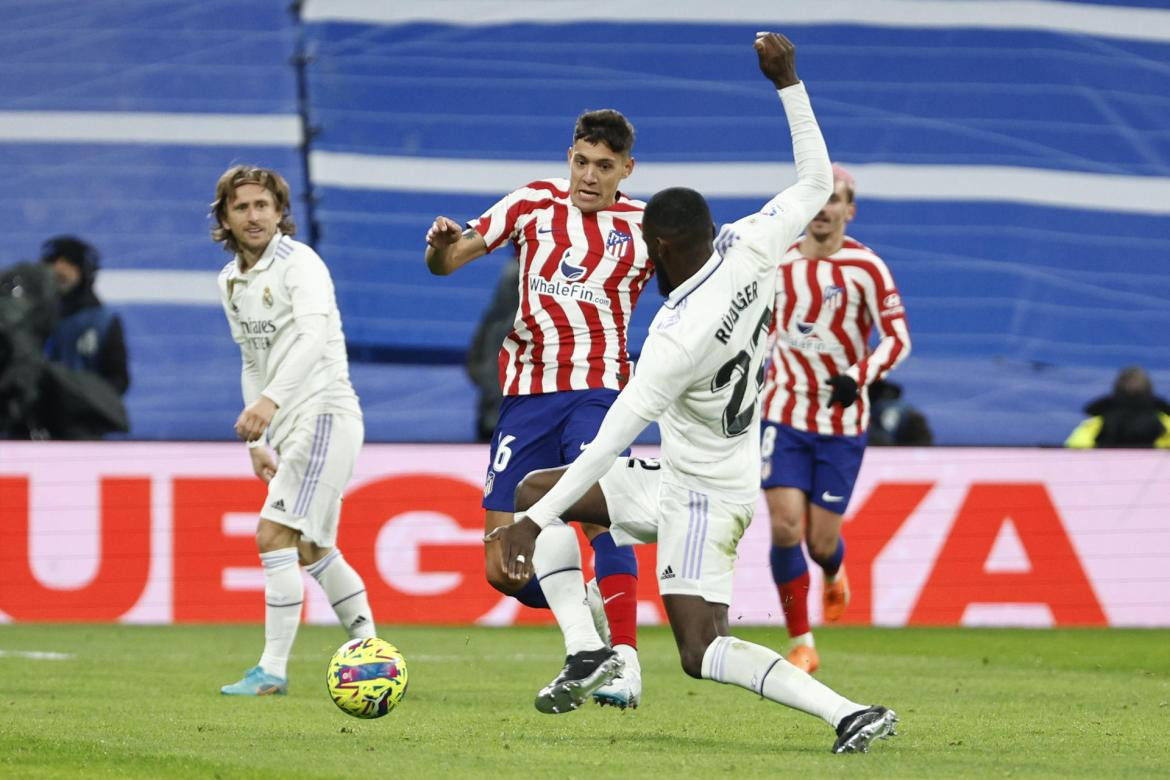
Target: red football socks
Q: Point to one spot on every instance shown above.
(620, 594)
(794, 602)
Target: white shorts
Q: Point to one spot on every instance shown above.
(316, 461)
(697, 533)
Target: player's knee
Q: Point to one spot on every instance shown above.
(267, 539)
(786, 532)
(274, 536)
(693, 641)
(496, 577)
(501, 583)
(821, 549)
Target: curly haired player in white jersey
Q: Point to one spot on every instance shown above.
(279, 301)
(699, 376)
(833, 291)
(583, 265)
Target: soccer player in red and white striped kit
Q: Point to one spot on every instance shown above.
(583, 264)
(833, 292)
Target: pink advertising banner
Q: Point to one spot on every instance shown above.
(163, 533)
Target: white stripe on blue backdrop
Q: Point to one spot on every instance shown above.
(1103, 21)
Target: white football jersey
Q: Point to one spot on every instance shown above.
(261, 304)
(702, 365)
(701, 368)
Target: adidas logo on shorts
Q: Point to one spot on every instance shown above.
(667, 573)
(278, 505)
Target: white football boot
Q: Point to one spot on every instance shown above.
(625, 690)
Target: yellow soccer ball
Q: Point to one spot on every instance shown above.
(367, 677)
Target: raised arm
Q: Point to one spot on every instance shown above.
(449, 248)
(777, 59)
(783, 217)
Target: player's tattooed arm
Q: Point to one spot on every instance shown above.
(449, 249)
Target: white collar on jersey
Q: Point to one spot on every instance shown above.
(265, 259)
(678, 294)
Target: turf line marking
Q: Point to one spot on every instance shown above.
(37, 655)
(463, 658)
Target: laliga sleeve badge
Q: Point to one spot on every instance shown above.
(267, 298)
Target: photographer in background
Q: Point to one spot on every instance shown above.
(483, 355)
(28, 311)
(62, 354)
(892, 421)
(1131, 416)
(88, 336)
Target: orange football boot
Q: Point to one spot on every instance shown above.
(836, 597)
(804, 658)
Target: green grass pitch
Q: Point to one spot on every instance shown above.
(130, 701)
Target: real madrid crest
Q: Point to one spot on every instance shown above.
(267, 298)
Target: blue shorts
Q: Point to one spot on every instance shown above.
(540, 432)
(824, 467)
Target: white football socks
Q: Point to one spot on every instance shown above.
(557, 561)
(763, 671)
(346, 593)
(284, 592)
(633, 666)
(805, 639)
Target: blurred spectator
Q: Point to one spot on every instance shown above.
(483, 355)
(893, 421)
(62, 354)
(88, 336)
(1131, 416)
(28, 311)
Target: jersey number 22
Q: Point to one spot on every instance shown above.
(737, 417)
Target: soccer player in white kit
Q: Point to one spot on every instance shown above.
(699, 375)
(279, 301)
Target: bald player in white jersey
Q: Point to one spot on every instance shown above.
(279, 301)
(699, 375)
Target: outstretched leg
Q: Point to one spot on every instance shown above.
(705, 653)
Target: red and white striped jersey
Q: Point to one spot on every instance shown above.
(580, 276)
(826, 309)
